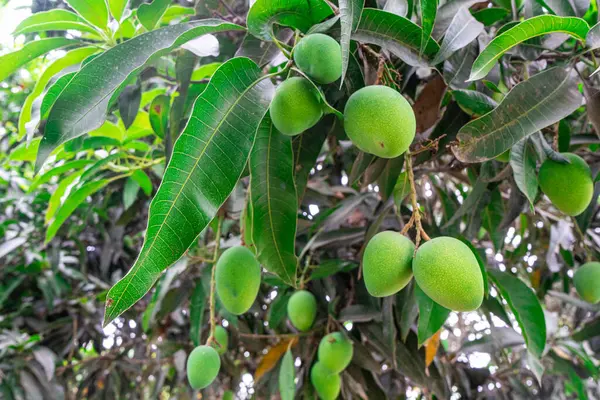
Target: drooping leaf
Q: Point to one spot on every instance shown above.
(81, 106)
(526, 308)
(274, 201)
(491, 219)
(446, 13)
(396, 34)
(197, 303)
(406, 309)
(307, 147)
(71, 58)
(523, 163)
(592, 39)
(129, 103)
(53, 20)
(143, 180)
(208, 159)
(150, 13)
(287, 375)
(93, 11)
(473, 102)
(531, 105)
(53, 92)
(458, 67)
(278, 310)
(270, 360)
(11, 62)
(298, 14)
(428, 14)
(523, 31)
(72, 202)
(56, 171)
(489, 16)
(431, 316)
(350, 12)
(462, 30)
(130, 192)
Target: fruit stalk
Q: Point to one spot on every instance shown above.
(415, 219)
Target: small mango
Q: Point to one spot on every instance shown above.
(203, 366)
(587, 282)
(335, 352)
(237, 279)
(302, 310)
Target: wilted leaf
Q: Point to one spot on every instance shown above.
(270, 360)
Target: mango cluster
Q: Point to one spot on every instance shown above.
(335, 353)
(444, 268)
(377, 119)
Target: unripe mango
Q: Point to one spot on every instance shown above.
(587, 282)
(335, 352)
(379, 120)
(387, 263)
(296, 106)
(568, 186)
(222, 340)
(302, 309)
(203, 366)
(237, 279)
(326, 383)
(448, 272)
(320, 57)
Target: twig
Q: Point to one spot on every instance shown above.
(278, 336)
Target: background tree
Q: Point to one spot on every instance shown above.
(102, 95)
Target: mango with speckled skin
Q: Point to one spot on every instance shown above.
(448, 272)
(221, 339)
(296, 106)
(335, 352)
(203, 366)
(568, 186)
(320, 57)
(237, 279)
(387, 263)
(587, 282)
(326, 383)
(380, 121)
(302, 310)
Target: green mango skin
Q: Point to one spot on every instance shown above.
(203, 366)
(222, 339)
(568, 186)
(320, 57)
(380, 121)
(448, 272)
(387, 263)
(302, 310)
(296, 106)
(335, 352)
(587, 282)
(326, 383)
(237, 279)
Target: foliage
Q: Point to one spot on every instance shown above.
(136, 147)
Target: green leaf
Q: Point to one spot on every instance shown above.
(589, 330)
(158, 114)
(72, 202)
(526, 308)
(197, 305)
(287, 375)
(489, 16)
(523, 31)
(130, 192)
(143, 180)
(431, 316)
(53, 92)
(307, 147)
(278, 310)
(93, 11)
(428, 13)
(458, 66)
(462, 30)
(56, 171)
(446, 13)
(129, 103)
(593, 37)
(530, 106)
(492, 217)
(406, 309)
(117, 8)
(401, 189)
(396, 34)
(175, 11)
(25, 151)
(81, 106)
(297, 14)
(150, 14)
(55, 200)
(160, 293)
(350, 12)
(71, 58)
(523, 163)
(11, 62)
(53, 20)
(274, 201)
(208, 160)
(473, 102)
